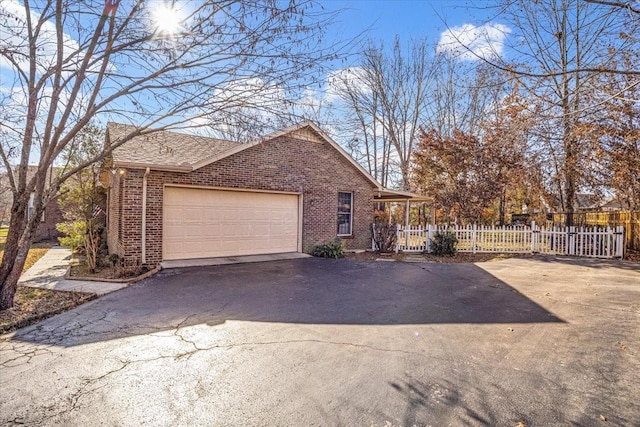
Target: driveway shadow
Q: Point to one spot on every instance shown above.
(301, 291)
(488, 399)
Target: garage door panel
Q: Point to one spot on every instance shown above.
(202, 223)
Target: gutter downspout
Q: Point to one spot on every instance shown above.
(144, 216)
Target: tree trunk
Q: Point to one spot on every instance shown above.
(568, 125)
(10, 277)
(503, 202)
(569, 197)
(16, 250)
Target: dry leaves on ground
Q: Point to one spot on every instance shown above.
(33, 304)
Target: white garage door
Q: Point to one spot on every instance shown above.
(201, 223)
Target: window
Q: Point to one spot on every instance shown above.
(345, 213)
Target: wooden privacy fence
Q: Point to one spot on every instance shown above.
(595, 242)
(630, 220)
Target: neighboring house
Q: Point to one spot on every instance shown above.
(586, 202)
(52, 214)
(614, 205)
(177, 196)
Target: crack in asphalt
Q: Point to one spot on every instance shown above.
(24, 352)
(91, 385)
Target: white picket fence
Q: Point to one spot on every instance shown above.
(595, 242)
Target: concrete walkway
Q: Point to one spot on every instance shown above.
(49, 272)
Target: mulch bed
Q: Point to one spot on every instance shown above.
(633, 256)
(33, 304)
(80, 271)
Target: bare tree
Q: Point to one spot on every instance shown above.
(623, 22)
(66, 63)
(241, 121)
(464, 94)
(614, 129)
(516, 169)
(388, 94)
(368, 143)
(627, 5)
(559, 48)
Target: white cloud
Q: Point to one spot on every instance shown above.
(13, 30)
(13, 40)
(468, 42)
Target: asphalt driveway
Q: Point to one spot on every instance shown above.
(550, 341)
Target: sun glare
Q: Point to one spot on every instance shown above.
(166, 20)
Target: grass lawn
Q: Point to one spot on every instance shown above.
(36, 252)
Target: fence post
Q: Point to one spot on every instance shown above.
(473, 239)
(398, 228)
(534, 237)
(407, 238)
(620, 243)
(571, 241)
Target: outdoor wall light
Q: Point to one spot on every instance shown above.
(118, 171)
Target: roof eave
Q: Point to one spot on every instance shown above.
(165, 168)
(387, 195)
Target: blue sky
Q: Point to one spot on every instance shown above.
(385, 19)
(380, 21)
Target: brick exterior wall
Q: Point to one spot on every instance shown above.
(47, 229)
(114, 219)
(314, 169)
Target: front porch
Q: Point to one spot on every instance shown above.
(384, 231)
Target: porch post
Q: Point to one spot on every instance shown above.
(406, 223)
(406, 215)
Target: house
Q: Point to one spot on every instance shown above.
(586, 202)
(614, 205)
(52, 214)
(176, 196)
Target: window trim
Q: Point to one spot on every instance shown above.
(350, 193)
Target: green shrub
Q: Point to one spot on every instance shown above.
(444, 243)
(75, 231)
(333, 249)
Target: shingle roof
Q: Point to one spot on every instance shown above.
(166, 148)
